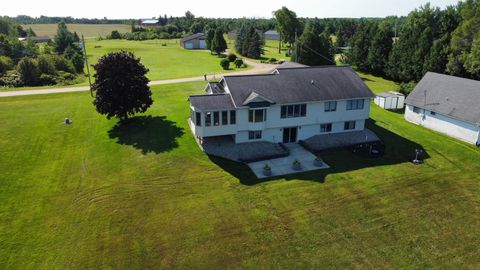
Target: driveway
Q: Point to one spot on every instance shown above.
(258, 68)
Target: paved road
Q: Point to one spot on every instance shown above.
(258, 68)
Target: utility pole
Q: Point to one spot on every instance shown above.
(86, 63)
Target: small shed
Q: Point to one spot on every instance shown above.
(390, 100)
(272, 35)
(195, 41)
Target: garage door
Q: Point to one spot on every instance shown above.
(203, 44)
(189, 45)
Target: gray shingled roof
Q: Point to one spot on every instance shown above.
(194, 36)
(448, 95)
(216, 87)
(388, 94)
(294, 85)
(290, 65)
(212, 102)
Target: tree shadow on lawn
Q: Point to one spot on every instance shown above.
(397, 150)
(148, 134)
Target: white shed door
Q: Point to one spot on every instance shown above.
(189, 45)
(203, 44)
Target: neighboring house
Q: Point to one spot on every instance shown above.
(286, 106)
(148, 22)
(390, 100)
(36, 39)
(272, 35)
(195, 41)
(448, 104)
(232, 35)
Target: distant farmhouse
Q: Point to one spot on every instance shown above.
(272, 35)
(448, 104)
(37, 39)
(286, 106)
(194, 42)
(148, 22)
(232, 35)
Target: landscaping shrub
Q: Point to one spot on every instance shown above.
(47, 79)
(232, 57)
(6, 64)
(115, 35)
(46, 64)
(65, 78)
(225, 64)
(238, 63)
(77, 62)
(62, 64)
(28, 69)
(272, 60)
(11, 79)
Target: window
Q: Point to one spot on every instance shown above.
(349, 125)
(225, 118)
(257, 116)
(356, 104)
(433, 113)
(216, 118)
(416, 110)
(254, 135)
(198, 119)
(324, 128)
(233, 117)
(330, 106)
(291, 111)
(208, 119)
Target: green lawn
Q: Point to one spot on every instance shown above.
(164, 62)
(93, 195)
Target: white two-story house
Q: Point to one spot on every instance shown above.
(289, 105)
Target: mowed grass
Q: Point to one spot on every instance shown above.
(164, 62)
(88, 30)
(92, 195)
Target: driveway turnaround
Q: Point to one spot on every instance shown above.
(258, 68)
(283, 166)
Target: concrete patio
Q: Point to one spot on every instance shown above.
(337, 140)
(283, 166)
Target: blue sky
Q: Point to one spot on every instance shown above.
(214, 8)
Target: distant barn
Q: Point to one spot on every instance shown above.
(148, 22)
(272, 35)
(194, 42)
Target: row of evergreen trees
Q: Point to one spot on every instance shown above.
(444, 41)
(249, 42)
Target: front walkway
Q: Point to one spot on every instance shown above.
(283, 166)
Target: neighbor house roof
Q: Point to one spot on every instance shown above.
(212, 102)
(149, 21)
(389, 94)
(448, 95)
(194, 36)
(271, 32)
(296, 85)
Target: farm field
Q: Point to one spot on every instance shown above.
(95, 195)
(88, 30)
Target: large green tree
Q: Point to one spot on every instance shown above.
(63, 39)
(380, 47)
(219, 44)
(314, 48)
(121, 86)
(288, 25)
(361, 44)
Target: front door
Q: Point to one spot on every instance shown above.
(289, 135)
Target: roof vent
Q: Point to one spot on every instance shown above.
(447, 99)
(312, 82)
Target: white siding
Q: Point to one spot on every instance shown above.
(453, 127)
